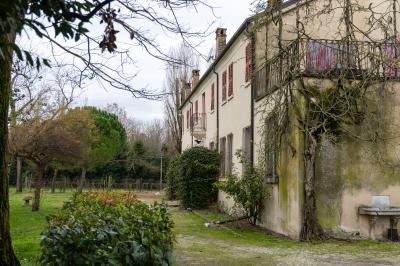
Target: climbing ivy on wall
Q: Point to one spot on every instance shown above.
(337, 102)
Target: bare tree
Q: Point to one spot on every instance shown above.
(177, 76)
(43, 142)
(24, 96)
(39, 93)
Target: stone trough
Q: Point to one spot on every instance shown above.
(381, 208)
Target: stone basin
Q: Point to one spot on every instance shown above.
(375, 211)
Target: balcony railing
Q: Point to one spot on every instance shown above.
(329, 59)
(198, 125)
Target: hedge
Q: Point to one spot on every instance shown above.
(198, 171)
(172, 177)
(108, 229)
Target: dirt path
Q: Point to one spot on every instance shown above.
(198, 245)
(197, 251)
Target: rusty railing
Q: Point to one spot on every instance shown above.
(329, 59)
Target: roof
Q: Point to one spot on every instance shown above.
(238, 32)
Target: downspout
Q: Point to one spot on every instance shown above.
(252, 96)
(252, 87)
(217, 105)
(191, 120)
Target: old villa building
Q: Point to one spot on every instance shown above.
(314, 44)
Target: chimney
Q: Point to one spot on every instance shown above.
(274, 4)
(220, 38)
(187, 89)
(195, 77)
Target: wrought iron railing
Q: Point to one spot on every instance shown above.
(329, 59)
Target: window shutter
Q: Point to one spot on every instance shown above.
(249, 63)
(224, 86)
(187, 119)
(230, 88)
(191, 118)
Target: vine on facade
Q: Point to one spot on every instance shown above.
(325, 99)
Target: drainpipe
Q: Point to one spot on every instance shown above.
(191, 120)
(252, 87)
(217, 105)
(252, 94)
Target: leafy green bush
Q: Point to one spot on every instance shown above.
(198, 170)
(108, 229)
(248, 191)
(172, 177)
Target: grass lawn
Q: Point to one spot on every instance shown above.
(198, 245)
(26, 225)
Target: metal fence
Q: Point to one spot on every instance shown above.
(328, 59)
(62, 184)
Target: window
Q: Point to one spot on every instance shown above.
(187, 119)
(196, 107)
(183, 123)
(224, 75)
(261, 81)
(229, 155)
(392, 66)
(212, 96)
(191, 117)
(246, 145)
(222, 156)
(203, 103)
(271, 149)
(249, 61)
(230, 87)
(324, 56)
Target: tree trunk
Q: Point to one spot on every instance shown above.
(64, 184)
(7, 256)
(311, 229)
(38, 188)
(19, 179)
(82, 179)
(178, 119)
(53, 188)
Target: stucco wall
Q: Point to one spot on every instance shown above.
(354, 169)
(347, 175)
(348, 172)
(234, 112)
(282, 209)
(211, 122)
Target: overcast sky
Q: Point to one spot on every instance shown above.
(228, 14)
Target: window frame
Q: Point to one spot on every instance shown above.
(249, 62)
(230, 84)
(271, 150)
(229, 153)
(187, 118)
(222, 152)
(224, 84)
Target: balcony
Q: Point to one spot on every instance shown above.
(198, 125)
(329, 59)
